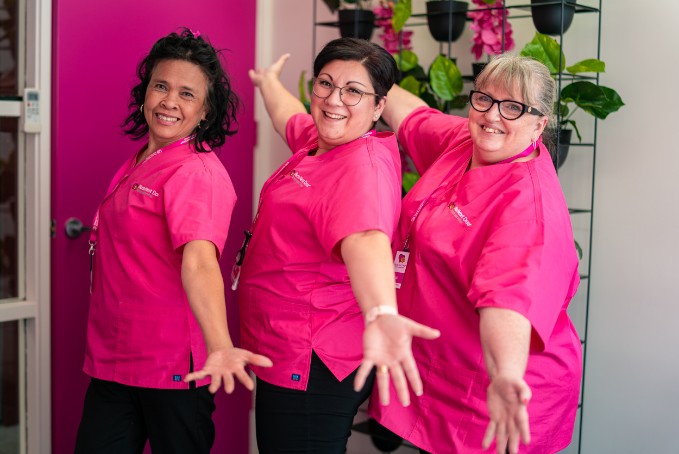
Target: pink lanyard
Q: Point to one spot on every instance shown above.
(95, 223)
(524, 153)
(531, 148)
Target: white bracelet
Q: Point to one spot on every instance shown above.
(376, 311)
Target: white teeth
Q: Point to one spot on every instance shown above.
(164, 118)
(335, 116)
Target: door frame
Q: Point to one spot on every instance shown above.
(32, 308)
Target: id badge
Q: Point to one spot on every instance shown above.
(400, 264)
(235, 276)
(235, 271)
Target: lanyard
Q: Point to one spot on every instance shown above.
(531, 148)
(289, 166)
(95, 224)
(426, 200)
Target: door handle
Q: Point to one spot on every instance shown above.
(74, 227)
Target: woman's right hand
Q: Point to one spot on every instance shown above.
(257, 76)
(224, 364)
(387, 344)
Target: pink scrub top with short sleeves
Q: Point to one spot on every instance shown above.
(294, 293)
(141, 331)
(494, 236)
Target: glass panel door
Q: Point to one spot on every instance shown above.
(25, 51)
(9, 210)
(9, 48)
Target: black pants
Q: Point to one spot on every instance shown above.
(118, 419)
(317, 420)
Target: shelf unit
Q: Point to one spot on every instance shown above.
(579, 308)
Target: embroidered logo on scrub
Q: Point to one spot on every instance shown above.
(148, 192)
(299, 179)
(176, 378)
(295, 377)
(459, 215)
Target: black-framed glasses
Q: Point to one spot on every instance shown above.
(509, 109)
(350, 96)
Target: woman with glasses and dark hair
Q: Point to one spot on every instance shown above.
(316, 288)
(158, 345)
(492, 263)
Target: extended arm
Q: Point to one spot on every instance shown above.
(387, 340)
(400, 103)
(279, 102)
(505, 339)
(204, 287)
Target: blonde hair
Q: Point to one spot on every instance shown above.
(521, 76)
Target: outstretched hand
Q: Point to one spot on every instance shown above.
(257, 76)
(387, 344)
(508, 398)
(225, 364)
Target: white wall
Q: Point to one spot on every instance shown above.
(633, 360)
(632, 365)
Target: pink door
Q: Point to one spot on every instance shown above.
(97, 46)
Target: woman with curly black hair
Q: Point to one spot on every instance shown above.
(158, 344)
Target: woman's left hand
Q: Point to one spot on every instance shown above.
(225, 364)
(387, 344)
(508, 397)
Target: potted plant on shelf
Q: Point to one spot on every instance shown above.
(547, 15)
(492, 31)
(356, 18)
(446, 18)
(597, 100)
(439, 87)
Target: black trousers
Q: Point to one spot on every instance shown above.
(317, 420)
(119, 419)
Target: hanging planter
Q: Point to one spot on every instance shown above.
(446, 19)
(356, 23)
(547, 17)
(477, 67)
(563, 145)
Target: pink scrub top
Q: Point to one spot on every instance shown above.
(495, 236)
(141, 331)
(294, 293)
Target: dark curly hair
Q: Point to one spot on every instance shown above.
(222, 102)
(378, 62)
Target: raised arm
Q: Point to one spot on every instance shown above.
(505, 338)
(279, 102)
(400, 103)
(387, 339)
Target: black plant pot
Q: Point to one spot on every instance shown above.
(563, 145)
(356, 23)
(547, 18)
(477, 67)
(446, 19)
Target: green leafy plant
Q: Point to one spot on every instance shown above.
(439, 87)
(403, 9)
(596, 100)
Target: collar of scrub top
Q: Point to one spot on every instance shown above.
(289, 166)
(532, 147)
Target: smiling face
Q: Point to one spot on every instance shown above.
(336, 122)
(496, 138)
(175, 101)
